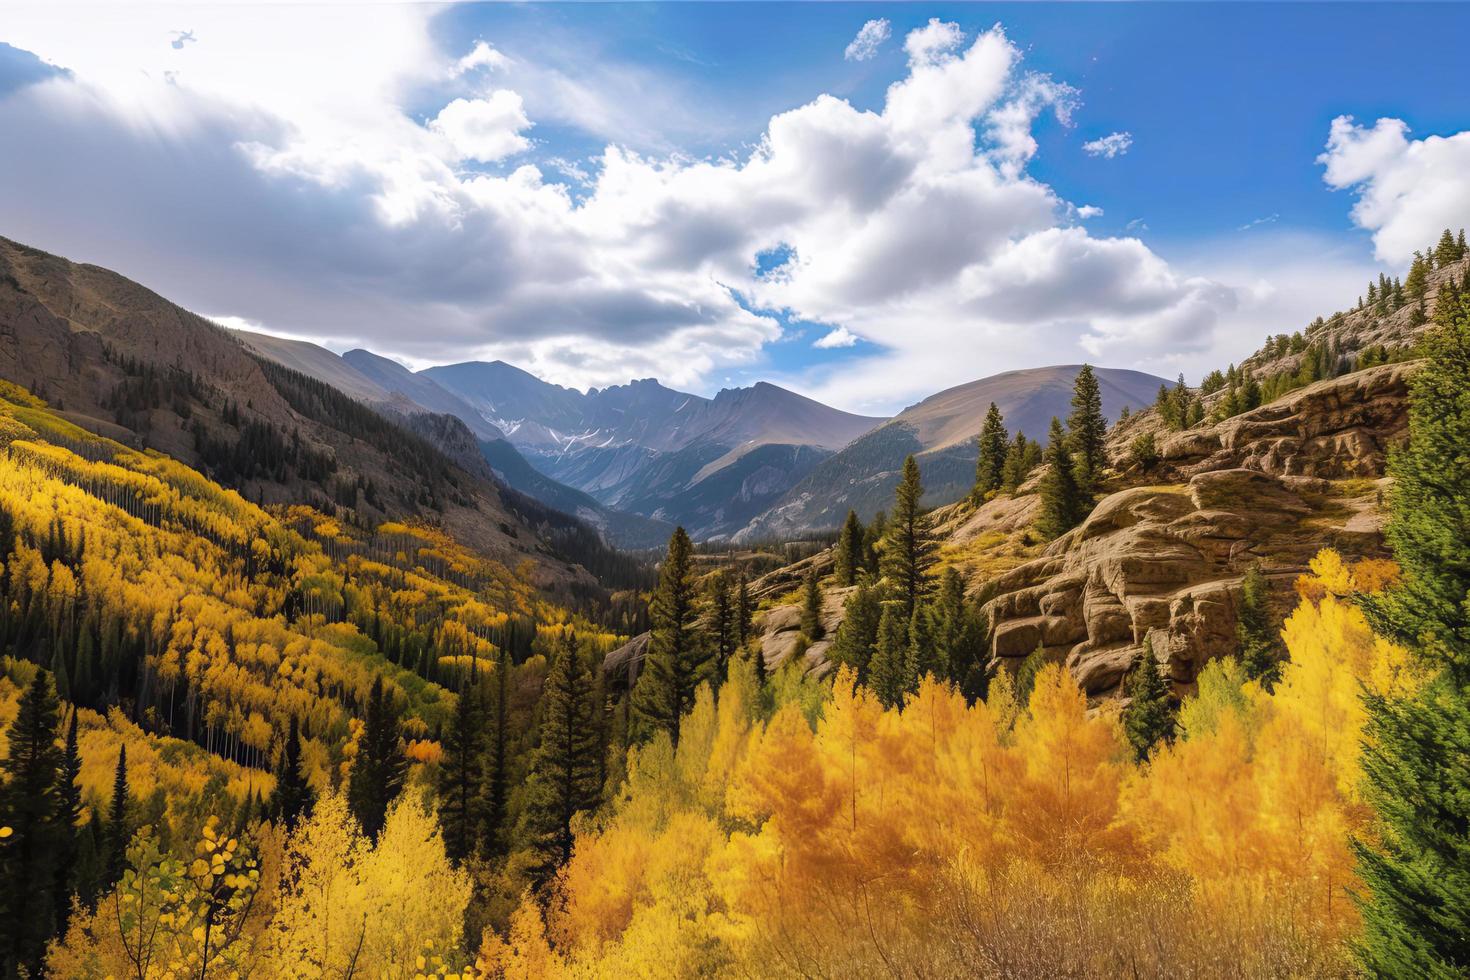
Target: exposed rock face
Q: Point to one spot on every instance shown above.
(1157, 565)
(780, 632)
(1334, 429)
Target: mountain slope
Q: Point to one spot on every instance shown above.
(120, 360)
(422, 391)
(940, 431)
(648, 449)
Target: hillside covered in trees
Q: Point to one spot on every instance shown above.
(272, 739)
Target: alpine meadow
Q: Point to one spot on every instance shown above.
(735, 490)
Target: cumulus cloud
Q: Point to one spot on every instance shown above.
(838, 337)
(1109, 146)
(336, 214)
(1407, 190)
(487, 129)
(481, 55)
(869, 39)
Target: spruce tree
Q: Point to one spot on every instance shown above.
(69, 787)
(1149, 717)
(887, 669)
(955, 631)
(1416, 910)
(379, 769)
(873, 542)
(848, 557)
(908, 550)
(292, 798)
(857, 634)
(565, 768)
(1258, 648)
(677, 659)
(33, 810)
(1061, 502)
(993, 444)
(1017, 464)
(495, 758)
(1446, 252)
(744, 613)
(1087, 433)
(811, 608)
(119, 830)
(720, 625)
(460, 769)
(922, 658)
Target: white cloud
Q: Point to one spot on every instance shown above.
(487, 129)
(835, 338)
(1109, 146)
(1269, 219)
(1087, 211)
(330, 212)
(481, 55)
(869, 39)
(1408, 190)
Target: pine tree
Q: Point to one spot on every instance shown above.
(1016, 467)
(1416, 914)
(380, 767)
(33, 810)
(744, 613)
(993, 443)
(922, 658)
(495, 758)
(848, 557)
(857, 634)
(1087, 433)
(886, 671)
(1418, 278)
(119, 830)
(677, 659)
(955, 632)
(1253, 630)
(292, 798)
(564, 770)
(460, 770)
(69, 787)
(1446, 251)
(1061, 502)
(720, 624)
(873, 542)
(1149, 717)
(811, 608)
(908, 550)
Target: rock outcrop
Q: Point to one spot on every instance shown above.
(1162, 566)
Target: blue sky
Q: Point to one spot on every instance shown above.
(598, 192)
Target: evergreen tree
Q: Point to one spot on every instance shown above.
(1446, 251)
(292, 798)
(677, 659)
(908, 550)
(1253, 630)
(460, 770)
(1149, 717)
(922, 658)
(1087, 433)
(744, 613)
(1416, 913)
(119, 827)
(848, 557)
(811, 608)
(379, 769)
(990, 466)
(720, 624)
(69, 787)
(857, 634)
(1061, 501)
(495, 757)
(887, 669)
(956, 633)
(873, 542)
(1016, 467)
(33, 810)
(564, 778)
